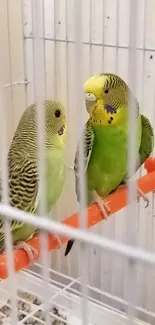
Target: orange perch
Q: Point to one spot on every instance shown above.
(116, 201)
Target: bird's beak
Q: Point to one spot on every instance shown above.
(90, 100)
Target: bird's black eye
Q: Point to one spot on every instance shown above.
(57, 113)
(106, 91)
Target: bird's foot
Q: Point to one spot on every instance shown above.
(102, 205)
(31, 251)
(141, 194)
(58, 241)
(37, 232)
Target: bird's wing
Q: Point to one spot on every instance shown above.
(23, 189)
(147, 143)
(147, 140)
(89, 137)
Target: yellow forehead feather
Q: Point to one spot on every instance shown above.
(95, 85)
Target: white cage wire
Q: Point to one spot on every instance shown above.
(49, 48)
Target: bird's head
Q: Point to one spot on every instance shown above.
(107, 98)
(26, 134)
(55, 120)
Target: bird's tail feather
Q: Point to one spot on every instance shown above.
(69, 246)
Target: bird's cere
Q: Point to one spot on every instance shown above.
(90, 97)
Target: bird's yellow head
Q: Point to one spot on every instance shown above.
(55, 120)
(107, 98)
(27, 130)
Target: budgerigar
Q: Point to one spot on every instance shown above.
(24, 185)
(105, 137)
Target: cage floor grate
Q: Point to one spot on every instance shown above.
(63, 306)
(31, 311)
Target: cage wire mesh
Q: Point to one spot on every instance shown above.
(49, 48)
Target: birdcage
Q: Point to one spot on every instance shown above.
(49, 48)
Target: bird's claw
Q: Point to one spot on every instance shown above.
(147, 204)
(31, 251)
(140, 194)
(145, 198)
(58, 241)
(102, 205)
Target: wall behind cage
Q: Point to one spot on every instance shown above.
(103, 22)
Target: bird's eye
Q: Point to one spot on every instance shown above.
(106, 91)
(57, 113)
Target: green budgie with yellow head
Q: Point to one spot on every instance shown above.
(24, 184)
(105, 139)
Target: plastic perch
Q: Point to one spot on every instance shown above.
(116, 201)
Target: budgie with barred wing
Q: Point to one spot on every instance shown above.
(22, 168)
(105, 139)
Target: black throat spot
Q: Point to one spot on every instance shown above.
(61, 130)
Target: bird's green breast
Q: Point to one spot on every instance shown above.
(55, 175)
(108, 163)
